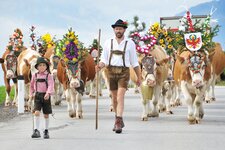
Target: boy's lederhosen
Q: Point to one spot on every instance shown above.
(118, 76)
(39, 101)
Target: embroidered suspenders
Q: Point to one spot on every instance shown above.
(117, 52)
(41, 80)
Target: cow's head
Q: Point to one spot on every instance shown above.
(11, 66)
(73, 72)
(150, 68)
(196, 64)
(54, 59)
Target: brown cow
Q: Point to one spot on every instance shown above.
(26, 62)
(9, 67)
(154, 73)
(74, 76)
(218, 63)
(192, 72)
(58, 89)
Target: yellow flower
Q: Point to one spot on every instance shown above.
(76, 41)
(63, 48)
(170, 46)
(74, 59)
(159, 30)
(163, 45)
(66, 59)
(67, 42)
(47, 38)
(161, 41)
(168, 39)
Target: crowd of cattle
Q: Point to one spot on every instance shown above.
(164, 79)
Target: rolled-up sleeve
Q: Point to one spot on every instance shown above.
(133, 55)
(32, 82)
(50, 89)
(105, 53)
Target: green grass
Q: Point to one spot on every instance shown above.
(2, 94)
(221, 83)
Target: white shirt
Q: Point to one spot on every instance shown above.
(117, 60)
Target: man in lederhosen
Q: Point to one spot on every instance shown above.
(119, 53)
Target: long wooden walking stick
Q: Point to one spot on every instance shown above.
(97, 81)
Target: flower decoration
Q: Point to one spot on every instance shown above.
(45, 42)
(93, 48)
(207, 31)
(143, 43)
(15, 41)
(164, 37)
(73, 50)
(33, 36)
(195, 61)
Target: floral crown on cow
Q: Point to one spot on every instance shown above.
(197, 35)
(15, 41)
(72, 49)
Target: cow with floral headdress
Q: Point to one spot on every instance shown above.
(193, 67)
(9, 63)
(74, 69)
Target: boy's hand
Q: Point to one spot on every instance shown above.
(47, 95)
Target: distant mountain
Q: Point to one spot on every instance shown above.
(219, 14)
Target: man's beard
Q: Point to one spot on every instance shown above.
(119, 35)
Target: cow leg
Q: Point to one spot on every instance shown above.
(177, 99)
(93, 91)
(54, 96)
(198, 108)
(161, 103)
(15, 100)
(173, 98)
(213, 97)
(7, 90)
(207, 93)
(145, 104)
(27, 100)
(69, 96)
(157, 91)
(167, 102)
(79, 106)
(188, 100)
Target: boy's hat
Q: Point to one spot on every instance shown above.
(42, 60)
(120, 23)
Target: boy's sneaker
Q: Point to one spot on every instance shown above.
(36, 134)
(46, 135)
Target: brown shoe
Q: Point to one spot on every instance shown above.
(118, 124)
(123, 125)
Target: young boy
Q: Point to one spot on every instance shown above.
(41, 87)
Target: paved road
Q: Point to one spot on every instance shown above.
(168, 132)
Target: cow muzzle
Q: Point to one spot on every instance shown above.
(197, 83)
(151, 83)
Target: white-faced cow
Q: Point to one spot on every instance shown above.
(73, 76)
(26, 62)
(192, 72)
(154, 71)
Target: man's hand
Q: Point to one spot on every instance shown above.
(138, 83)
(99, 66)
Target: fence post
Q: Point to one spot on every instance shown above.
(20, 94)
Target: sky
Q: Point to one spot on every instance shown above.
(86, 17)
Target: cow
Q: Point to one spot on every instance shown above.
(192, 71)
(58, 89)
(73, 76)
(154, 70)
(218, 65)
(26, 62)
(9, 67)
